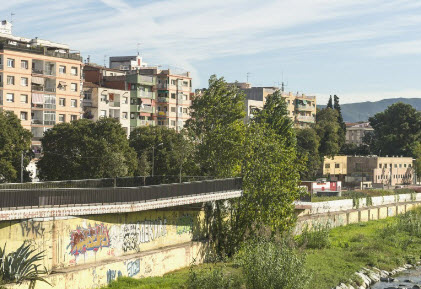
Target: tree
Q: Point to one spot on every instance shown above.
(327, 128)
(308, 149)
(172, 151)
(354, 149)
(417, 163)
(14, 141)
(84, 149)
(396, 130)
(342, 131)
(217, 127)
(329, 103)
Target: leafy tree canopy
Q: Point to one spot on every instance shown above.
(308, 150)
(84, 149)
(14, 140)
(327, 128)
(396, 130)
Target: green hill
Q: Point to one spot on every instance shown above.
(361, 111)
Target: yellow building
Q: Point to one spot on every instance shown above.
(40, 81)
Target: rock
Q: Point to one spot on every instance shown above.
(408, 266)
(416, 286)
(373, 276)
(366, 280)
(387, 279)
(408, 281)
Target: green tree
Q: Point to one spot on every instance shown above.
(342, 131)
(417, 163)
(172, 151)
(217, 126)
(84, 149)
(396, 130)
(329, 103)
(327, 128)
(308, 150)
(14, 140)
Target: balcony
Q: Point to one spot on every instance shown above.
(37, 71)
(305, 107)
(147, 109)
(305, 118)
(162, 113)
(87, 102)
(1, 84)
(163, 99)
(36, 121)
(146, 94)
(1, 66)
(163, 85)
(141, 122)
(114, 104)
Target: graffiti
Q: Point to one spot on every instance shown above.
(128, 237)
(112, 274)
(133, 268)
(89, 239)
(184, 224)
(33, 227)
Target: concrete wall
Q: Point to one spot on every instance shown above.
(147, 264)
(71, 241)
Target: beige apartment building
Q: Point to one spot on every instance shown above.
(100, 102)
(355, 132)
(40, 81)
(167, 92)
(378, 170)
(301, 108)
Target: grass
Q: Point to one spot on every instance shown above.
(385, 244)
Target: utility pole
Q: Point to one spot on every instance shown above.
(11, 17)
(21, 168)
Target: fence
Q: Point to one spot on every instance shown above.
(48, 197)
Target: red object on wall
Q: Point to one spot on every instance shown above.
(333, 186)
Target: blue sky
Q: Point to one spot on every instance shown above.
(362, 50)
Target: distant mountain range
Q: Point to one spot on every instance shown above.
(361, 111)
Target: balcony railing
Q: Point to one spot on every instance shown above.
(146, 122)
(162, 85)
(37, 71)
(146, 94)
(305, 107)
(148, 109)
(115, 104)
(163, 99)
(146, 79)
(36, 121)
(305, 118)
(87, 102)
(37, 88)
(162, 113)
(1, 66)
(1, 84)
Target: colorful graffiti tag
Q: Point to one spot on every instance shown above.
(184, 224)
(88, 239)
(112, 274)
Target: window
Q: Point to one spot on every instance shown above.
(184, 110)
(24, 98)
(185, 83)
(10, 62)
(173, 122)
(103, 113)
(73, 87)
(24, 64)
(404, 165)
(173, 109)
(173, 82)
(10, 80)
(132, 115)
(62, 102)
(23, 115)
(10, 97)
(124, 115)
(125, 100)
(400, 165)
(173, 95)
(396, 165)
(24, 81)
(327, 166)
(61, 118)
(336, 166)
(73, 117)
(73, 71)
(62, 69)
(380, 166)
(73, 103)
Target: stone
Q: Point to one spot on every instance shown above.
(373, 276)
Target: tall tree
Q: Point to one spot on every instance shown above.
(329, 103)
(417, 163)
(342, 131)
(327, 128)
(308, 150)
(217, 125)
(84, 149)
(396, 130)
(171, 151)
(14, 141)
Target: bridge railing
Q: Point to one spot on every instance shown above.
(24, 198)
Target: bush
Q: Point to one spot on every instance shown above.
(315, 238)
(272, 265)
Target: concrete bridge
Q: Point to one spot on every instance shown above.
(91, 236)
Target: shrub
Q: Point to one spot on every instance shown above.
(315, 238)
(270, 265)
(212, 278)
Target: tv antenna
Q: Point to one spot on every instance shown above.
(105, 57)
(11, 17)
(138, 45)
(248, 75)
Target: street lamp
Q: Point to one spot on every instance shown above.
(153, 157)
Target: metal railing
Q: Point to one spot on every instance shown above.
(44, 197)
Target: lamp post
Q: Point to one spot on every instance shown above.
(153, 157)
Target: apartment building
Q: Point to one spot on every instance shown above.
(378, 170)
(164, 95)
(40, 81)
(301, 108)
(355, 132)
(99, 102)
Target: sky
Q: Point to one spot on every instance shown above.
(361, 50)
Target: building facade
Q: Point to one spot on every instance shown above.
(40, 81)
(378, 170)
(99, 102)
(301, 108)
(355, 132)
